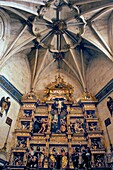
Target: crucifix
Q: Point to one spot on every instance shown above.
(59, 107)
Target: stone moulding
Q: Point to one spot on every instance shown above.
(10, 89)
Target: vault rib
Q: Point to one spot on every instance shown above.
(76, 63)
(99, 14)
(99, 38)
(110, 31)
(14, 51)
(96, 8)
(43, 70)
(39, 70)
(35, 64)
(16, 12)
(14, 42)
(83, 66)
(69, 65)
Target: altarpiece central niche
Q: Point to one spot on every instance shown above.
(57, 132)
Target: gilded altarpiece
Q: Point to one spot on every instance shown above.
(57, 132)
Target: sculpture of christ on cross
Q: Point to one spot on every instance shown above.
(59, 105)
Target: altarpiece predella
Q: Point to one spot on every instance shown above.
(58, 132)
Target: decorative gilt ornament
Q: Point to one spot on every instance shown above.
(30, 96)
(88, 96)
(59, 89)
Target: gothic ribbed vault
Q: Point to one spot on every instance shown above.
(59, 34)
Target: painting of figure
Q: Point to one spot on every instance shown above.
(4, 105)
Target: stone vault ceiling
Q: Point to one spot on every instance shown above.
(59, 34)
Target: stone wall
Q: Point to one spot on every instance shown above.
(12, 113)
(103, 114)
(17, 72)
(99, 73)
